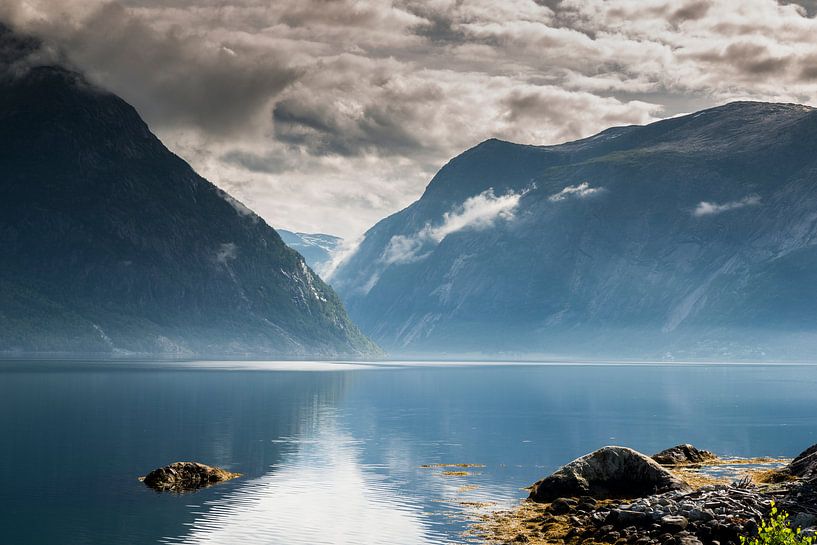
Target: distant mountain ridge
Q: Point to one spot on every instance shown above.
(318, 249)
(690, 238)
(113, 245)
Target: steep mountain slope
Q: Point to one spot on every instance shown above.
(112, 244)
(316, 248)
(693, 237)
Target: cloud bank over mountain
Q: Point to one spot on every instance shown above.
(346, 107)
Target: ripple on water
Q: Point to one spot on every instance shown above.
(324, 494)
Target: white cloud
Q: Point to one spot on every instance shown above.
(407, 249)
(346, 250)
(706, 208)
(238, 206)
(580, 191)
(478, 212)
(226, 252)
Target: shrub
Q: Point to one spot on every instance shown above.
(777, 531)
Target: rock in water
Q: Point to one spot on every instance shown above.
(186, 477)
(683, 454)
(610, 472)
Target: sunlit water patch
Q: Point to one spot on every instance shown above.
(737, 469)
(322, 493)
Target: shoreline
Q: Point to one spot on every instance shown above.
(711, 507)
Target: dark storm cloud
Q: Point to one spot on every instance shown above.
(266, 163)
(14, 48)
(749, 58)
(567, 111)
(808, 70)
(810, 6)
(691, 11)
(21, 52)
(440, 30)
(175, 77)
(754, 59)
(381, 120)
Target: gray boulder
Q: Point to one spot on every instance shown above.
(683, 454)
(674, 523)
(610, 472)
(185, 477)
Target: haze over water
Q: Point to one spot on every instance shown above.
(332, 453)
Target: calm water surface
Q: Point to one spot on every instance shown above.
(333, 455)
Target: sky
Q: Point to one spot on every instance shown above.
(328, 115)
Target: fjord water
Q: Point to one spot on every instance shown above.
(333, 453)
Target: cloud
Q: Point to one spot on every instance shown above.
(706, 208)
(406, 249)
(327, 116)
(226, 252)
(346, 250)
(238, 206)
(565, 115)
(479, 212)
(580, 191)
(690, 11)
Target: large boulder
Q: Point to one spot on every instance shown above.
(683, 454)
(610, 472)
(805, 464)
(186, 477)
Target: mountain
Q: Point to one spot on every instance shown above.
(316, 248)
(693, 237)
(111, 244)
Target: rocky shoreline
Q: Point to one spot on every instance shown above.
(618, 496)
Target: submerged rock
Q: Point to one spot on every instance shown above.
(610, 472)
(683, 454)
(186, 477)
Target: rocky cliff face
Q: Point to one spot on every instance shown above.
(693, 237)
(112, 244)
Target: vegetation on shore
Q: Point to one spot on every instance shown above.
(777, 530)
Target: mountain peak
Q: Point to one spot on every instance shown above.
(759, 105)
(16, 47)
(682, 236)
(112, 244)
